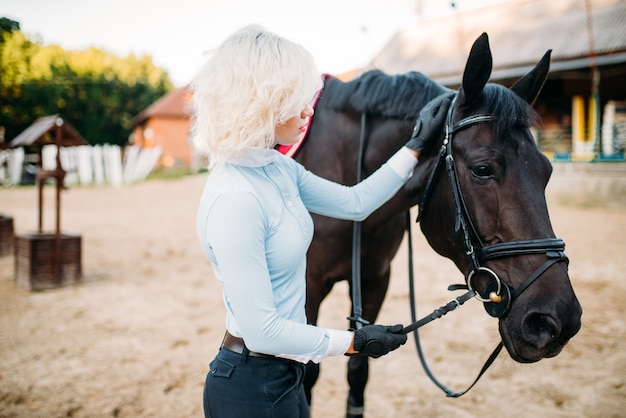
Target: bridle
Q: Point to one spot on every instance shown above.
(497, 296)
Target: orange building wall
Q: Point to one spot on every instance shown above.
(172, 135)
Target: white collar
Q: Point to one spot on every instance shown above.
(254, 157)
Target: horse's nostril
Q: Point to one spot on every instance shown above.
(540, 329)
(538, 323)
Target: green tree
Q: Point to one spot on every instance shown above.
(97, 92)
(8, 26)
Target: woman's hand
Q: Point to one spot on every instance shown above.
(376, 340)
(429, 124)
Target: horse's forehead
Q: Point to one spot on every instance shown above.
(516, 139)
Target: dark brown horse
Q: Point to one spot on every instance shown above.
(496, 195)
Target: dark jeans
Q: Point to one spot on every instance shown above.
(241, 386)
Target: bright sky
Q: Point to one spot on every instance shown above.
(341, 34)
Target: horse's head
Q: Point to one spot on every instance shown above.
(486, 210)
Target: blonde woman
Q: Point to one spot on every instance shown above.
(254, 226)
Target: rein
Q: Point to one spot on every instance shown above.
(437, 313)
(357, 308)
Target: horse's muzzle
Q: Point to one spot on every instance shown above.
(540, 334)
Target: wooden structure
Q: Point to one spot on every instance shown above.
(47, 260)
(6, 234)
(6, 221)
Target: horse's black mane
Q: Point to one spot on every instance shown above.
(376, 93)
(402, 96)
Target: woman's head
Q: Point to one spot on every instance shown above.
(254, 81)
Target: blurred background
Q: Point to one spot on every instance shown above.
(117, 71)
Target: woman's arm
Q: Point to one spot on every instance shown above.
(359, 201)
(236, 230)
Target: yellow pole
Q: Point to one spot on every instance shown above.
(592, 119)
(578, 120)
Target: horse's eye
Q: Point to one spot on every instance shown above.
(482, 171)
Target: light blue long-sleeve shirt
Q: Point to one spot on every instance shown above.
(254, 226)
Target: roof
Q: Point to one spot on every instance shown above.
(520, 32)
(174, 104)
(36, 134)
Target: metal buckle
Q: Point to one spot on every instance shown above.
(477, 295)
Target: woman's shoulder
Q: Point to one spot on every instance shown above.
(228, 188)
(226, 178)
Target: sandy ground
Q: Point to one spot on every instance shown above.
(135, 338)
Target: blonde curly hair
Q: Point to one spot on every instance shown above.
(254, 81)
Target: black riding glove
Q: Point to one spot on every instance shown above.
(429, 123)
(378, 340)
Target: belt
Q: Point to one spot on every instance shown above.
(236, 345)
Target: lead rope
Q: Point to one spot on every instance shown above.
(438, 313)
(357, 307)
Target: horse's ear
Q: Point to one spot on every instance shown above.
(477, 71)
(529, 86)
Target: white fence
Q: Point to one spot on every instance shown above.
(85, 165)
